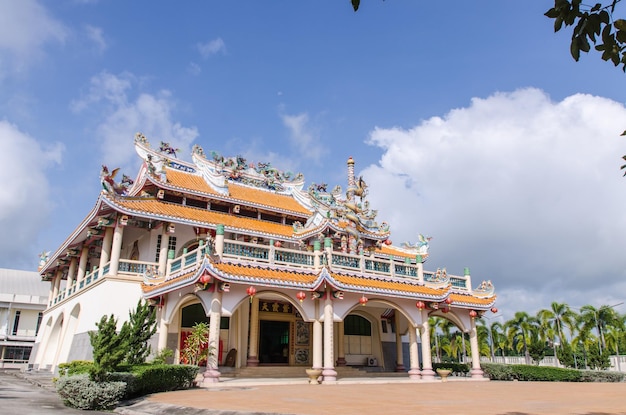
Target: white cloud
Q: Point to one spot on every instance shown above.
(24, 194)
(123, 115)
(212, 47)
(302, 136)
(96, 35)
(194, 69)
(525, 191)
(25, 27)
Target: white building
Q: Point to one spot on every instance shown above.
(23, 298)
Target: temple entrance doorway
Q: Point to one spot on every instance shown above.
(274, 342)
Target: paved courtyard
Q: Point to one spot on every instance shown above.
(454, 397)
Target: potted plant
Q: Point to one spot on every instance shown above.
(444, 372)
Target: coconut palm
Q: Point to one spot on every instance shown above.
(483, 337)
(598, 319)
(616, 336)
(495, 337)
(557, 318)
(519, 330)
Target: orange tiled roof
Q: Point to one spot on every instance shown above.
(236, 191)
(188, 181)
(386, 285)
(470, 299)
(171, 210)
(267, 273)
(266, 198)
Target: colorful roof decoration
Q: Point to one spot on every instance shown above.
(262, 207)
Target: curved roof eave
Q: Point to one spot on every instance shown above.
(71, 239)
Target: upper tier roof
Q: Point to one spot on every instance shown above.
(236, 193)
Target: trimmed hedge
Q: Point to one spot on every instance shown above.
(497, 371)
(78, 391)
(146, 379)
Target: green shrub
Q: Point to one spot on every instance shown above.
(162, 378)
(82, 393)
(602, 376)
(75, 367)
(130, 379)
(546, 374)
(497, 371)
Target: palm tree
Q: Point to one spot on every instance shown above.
(435, 324)
(599, 319)
(616, 335)
(518, 332)
(494, 336)
(483, 337)
(555, 318)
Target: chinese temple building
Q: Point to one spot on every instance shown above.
(284, 275)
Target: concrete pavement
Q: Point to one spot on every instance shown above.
(395, 396)
(388, 396)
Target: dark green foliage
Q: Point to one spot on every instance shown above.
(458, 369)
(78, 391)
(571, 357)
(82, 393)
(593, 25)
(141, 327)
(497, 371)
(596, 359)
(162, 378)
(537, 350)
(109, 347)
(602, 376)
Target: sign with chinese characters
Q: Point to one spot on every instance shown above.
(275, 307)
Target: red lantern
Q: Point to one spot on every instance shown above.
(388, 242)
(251, 291)
(473, 313)
(420, 305)
(448, 301)
(445, 309)
(494, 310)
(301, 296)
(204, 279)
(363, 300)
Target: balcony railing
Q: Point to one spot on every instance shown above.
(187, 261)
(267, 254)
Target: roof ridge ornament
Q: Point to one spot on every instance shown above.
(110, 186)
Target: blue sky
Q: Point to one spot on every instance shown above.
(469, 120)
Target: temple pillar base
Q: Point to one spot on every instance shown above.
(341, 361)
(415, 374)
(477, 373)
(428, 374)
(252, 361)
(329, 376)
(211, 375)
(400, 367)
